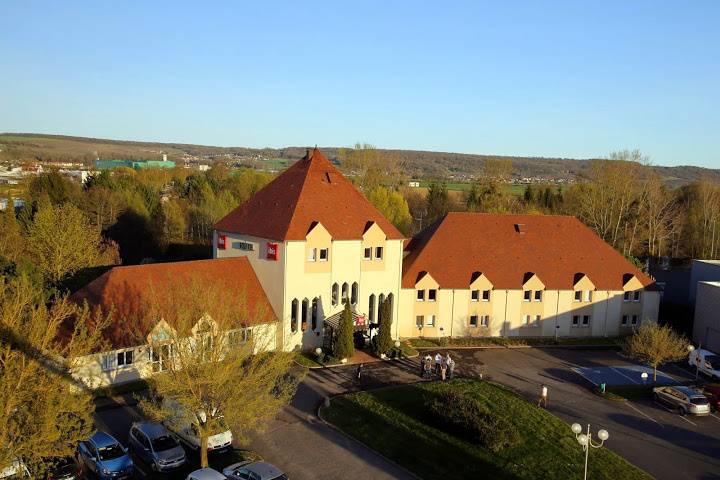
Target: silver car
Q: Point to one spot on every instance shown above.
(253, 471)
(683, 399)
(156, 446)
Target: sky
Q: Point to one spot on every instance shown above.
(573, 79)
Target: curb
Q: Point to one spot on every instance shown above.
(334, 365)
(520, 347)
(328, 424)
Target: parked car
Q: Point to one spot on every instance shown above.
(103, 456)
(206, 474)
(254, 471)
(706, 362)
(712, 393)
(155, 445)
(179, 422)
(63, 468)
(683, 399)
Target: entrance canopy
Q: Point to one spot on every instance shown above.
(359, 321)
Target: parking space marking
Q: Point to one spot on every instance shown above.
(629, 404)
(629, 378)
(674, 414)
(713, 415)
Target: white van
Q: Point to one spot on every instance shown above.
(706, 362)
(179, 422)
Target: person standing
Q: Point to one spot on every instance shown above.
(450, 366)
(428, 368)
(438, 363)
(443, 370)
(358, 372)
(422, 367)
(543, 396)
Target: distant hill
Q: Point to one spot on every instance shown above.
(419, 164)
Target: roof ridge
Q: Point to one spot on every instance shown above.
(299, 197)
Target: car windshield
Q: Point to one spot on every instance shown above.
(110, 452)
(218, 425)
(714, 361)
(699, 401)
(166, 442)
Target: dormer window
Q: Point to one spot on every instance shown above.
(538, 295)
(367, 253)
(312, 255)
(432, 295)
(378, 253)
(626, 296)
(578, 295)
(636, 296)
(323, 254)
(527, 295)
(421, 295)
(475, 295)
(486, 296)
(588, 295)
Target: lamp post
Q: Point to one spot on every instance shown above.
(690, 349)
(585, 440)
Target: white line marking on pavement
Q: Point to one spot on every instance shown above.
(713, 415)
(629, 404)
(691, 423)
(629, 378)
(142, 472)
(669, 410)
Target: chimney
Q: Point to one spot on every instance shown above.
(520, 228)
(307, 154)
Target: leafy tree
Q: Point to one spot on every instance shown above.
(61, 241)
(45, 412)
(372, 167)
(438, 202)
(393, 206)
(385, 340)
(343, 346)
(218, 368)
(53, 186)
(11, 241)
(656, 344)
(472, 198)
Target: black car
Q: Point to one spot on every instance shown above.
(64, 468)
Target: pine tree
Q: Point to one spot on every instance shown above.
(343, 347)
(385, 341)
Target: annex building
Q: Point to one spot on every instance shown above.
(309, 240)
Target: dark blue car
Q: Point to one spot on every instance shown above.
(103, 456)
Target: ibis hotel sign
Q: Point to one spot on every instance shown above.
(272, 251)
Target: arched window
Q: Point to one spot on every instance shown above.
(354, 294)
(371, 307)
(314, 314)
(391, 301)
(294, 316)
(304, 314)
(335, 294)
(345, 292)
(381, 300)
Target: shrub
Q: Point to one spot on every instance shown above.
(384, 337)
(344, 344)
(465, 417)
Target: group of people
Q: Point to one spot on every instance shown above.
(440, 367)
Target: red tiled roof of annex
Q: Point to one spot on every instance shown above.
(507, 247)
(311, 190)
(126, 292)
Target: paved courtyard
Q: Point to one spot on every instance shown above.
(663, 443)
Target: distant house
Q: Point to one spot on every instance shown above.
(413, 184)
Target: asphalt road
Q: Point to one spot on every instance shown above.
(663, 443)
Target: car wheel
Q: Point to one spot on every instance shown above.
(154, 466)
(682, 411)
(656, 397)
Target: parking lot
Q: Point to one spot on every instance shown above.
(665, 444)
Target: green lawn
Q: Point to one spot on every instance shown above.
(393, 422)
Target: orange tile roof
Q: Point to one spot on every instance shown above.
(506, 247)
(311, 190)
(127, 290)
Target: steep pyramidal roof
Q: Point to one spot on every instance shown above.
(311, 190)
(507, 247)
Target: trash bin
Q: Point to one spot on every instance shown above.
(602, 388)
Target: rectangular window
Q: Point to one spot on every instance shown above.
(624, 320)
(576, 320)
(378, 253)
(109, 362)
(312, 255)
(586, 320)
(475, 295)
(537, 320)
(367, 253)
(538, 295)
(526, 319)
(323, 254)
(634, 319)
(125, 358)
(473, 320)
(486, 295)
(636, 296)
(485, 320)
(419, 321)
(626, 297)
(527, 295)
(588, 295)
(421, 295)
(432, 295)
(578, 295)
(430, 321)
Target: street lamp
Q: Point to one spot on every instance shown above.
(690, 349)
(585, 440)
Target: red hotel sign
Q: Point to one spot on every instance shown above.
(272, 251)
